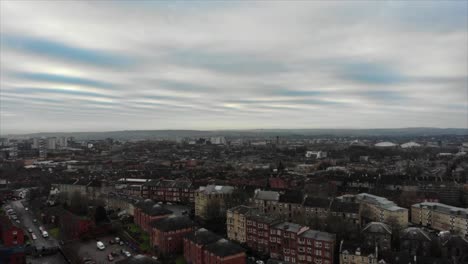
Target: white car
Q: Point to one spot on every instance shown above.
(27, 209)
(127, 254)
(34, 237)
(117, 239)
(100, 245)
(45, 234)
(30, 230)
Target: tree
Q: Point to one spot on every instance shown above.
(100, 215)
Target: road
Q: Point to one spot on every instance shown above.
(26, 219)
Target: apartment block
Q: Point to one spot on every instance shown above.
(441, 217)
(210, 201)
(236, 223)
(380, 209)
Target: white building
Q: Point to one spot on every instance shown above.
(316, 154)
(51, 143)
(218, 140)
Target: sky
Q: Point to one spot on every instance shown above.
(131, 65)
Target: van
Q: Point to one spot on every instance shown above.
(45, 234)
(100, 245)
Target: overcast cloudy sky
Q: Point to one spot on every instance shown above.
(115, 65)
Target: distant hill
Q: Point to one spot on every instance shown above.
(172, 134)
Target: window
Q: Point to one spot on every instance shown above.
(286, 250)
(318, 252)
(327, 245)
(318, 244)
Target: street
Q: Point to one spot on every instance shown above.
(26, 221)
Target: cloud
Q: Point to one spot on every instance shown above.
(213, 65)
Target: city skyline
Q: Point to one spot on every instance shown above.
(144, 65)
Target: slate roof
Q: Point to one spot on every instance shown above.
(318, 235)
(350, 247)
(172, 223)
(242, 209)
(267, 195)
(203, 236)
(377, 227)
(224, 248)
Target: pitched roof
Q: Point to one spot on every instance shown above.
(377, 227)
(203, 236)
(345, 207)
(267, 195)
(224, 248)
(172, 223)
(318, 235)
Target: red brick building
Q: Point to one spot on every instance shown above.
(298, 244)
(194, 245)
(224, 252)
(147, 211)
(167, 234)
(179, 191)
(74, 226)
(11, 242)
(258, 231)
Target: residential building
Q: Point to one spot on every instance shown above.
(224, 252)
(315, 207)
(294, 243)
(349, 212)
(377, 233)
(195, 243)
(11, 242)
(179, 190)
(266, 201)
(147, 211)
(354, 253)
(380, 209)
(167, 234)
(210, 201)
(236, 223)
(441, 217)
(258, 227)
(417, 242)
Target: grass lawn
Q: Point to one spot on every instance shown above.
(180, 260)
(54, 232)
(134, 228)
(145, 245)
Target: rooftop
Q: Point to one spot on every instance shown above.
(224, 248)
(172, 223)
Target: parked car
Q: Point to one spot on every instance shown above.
(34, 237)
(34, 220)
(117, 239)
(111, 241)
(30, 230)
(27, 209)
(126, 253)
(110, 257)
(45, 234)
(100, 245)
